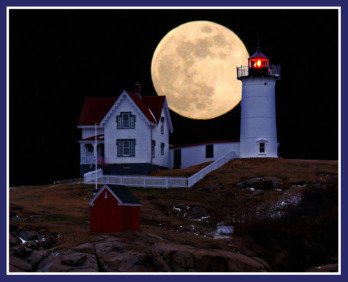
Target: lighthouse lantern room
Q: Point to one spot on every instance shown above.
(258, 131)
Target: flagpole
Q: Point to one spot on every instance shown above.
(96, 155)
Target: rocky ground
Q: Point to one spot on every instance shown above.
(248, 216)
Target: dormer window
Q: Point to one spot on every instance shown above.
(125, 121)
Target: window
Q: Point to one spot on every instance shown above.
(162, 148)
(125, 121)
(209, 151)
(153, 145)
(106, 195)
(89, 150)
(162, 125)
(125, 147)
(262, 147)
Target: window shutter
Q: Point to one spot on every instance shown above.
(118, 120)
(119, 148)
(132, 144)
(132, 122)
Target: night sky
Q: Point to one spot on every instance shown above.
(59, 57)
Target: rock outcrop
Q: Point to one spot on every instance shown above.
(136, 252)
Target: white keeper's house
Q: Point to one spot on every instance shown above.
(129, 134)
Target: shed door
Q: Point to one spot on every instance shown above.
(177, 158)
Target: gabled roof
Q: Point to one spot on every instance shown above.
(100, 137)
(121, 193)
(95, 108)
(155, 104)
(144, 107)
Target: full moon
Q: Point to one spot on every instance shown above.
(194, 66)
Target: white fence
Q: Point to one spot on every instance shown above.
(89, 177)
(156, 181)
(193, 179)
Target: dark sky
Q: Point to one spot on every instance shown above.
(58, 57)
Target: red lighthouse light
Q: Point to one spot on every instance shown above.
(258, 63)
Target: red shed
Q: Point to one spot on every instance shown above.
(114, 208)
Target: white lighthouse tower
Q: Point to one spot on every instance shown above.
(258, 130)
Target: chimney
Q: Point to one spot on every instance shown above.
(137, 89)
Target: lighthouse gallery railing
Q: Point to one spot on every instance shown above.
(273, 70)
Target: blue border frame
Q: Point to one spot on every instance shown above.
(344, 115)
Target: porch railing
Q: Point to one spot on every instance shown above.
(87, 160)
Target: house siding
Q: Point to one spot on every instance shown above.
(131, 169)
(161, 160)
(107, 215)
(193, 155)
(141, 134)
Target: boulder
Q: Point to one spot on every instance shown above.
(15, 269)
(48, 242)
(13, 239)
(20, 264)
(73, 259)
(265, 264)
(241, 263)
(332, 267)
(34, 245)
(37, 256)
(109, 244)
(128, 261)
(86, 248)
(260, 183)
(69, 261)
(28, 235)
(22, 251)
(182, 261)
(186, 258)
(197, 213)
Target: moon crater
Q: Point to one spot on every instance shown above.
(194, 66)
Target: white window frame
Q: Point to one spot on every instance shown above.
(125, 148)
(264, 142)
(125, 121)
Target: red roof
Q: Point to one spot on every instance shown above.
(92, 138)
(155, 103)
(95, 108)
